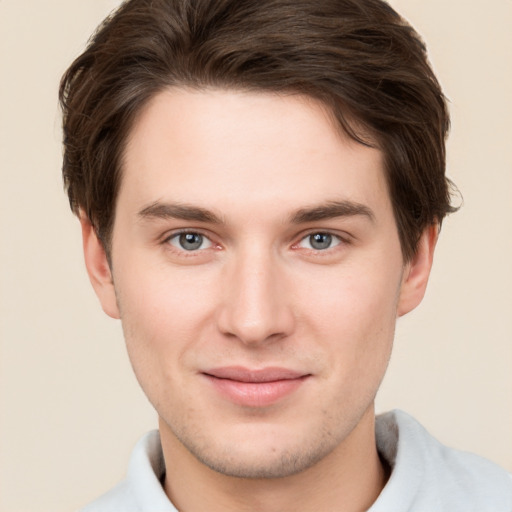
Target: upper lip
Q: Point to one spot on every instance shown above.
(241, 374)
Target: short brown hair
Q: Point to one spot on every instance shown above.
(358, 57)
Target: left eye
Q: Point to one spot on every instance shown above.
(190, 241)
(319, 241)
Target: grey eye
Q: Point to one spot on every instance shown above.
(320, 241)
(190, 241)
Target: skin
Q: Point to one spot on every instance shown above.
(256, 175)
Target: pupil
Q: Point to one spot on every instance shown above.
(320, 240)
(191, 241)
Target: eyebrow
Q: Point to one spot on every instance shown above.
(330, 210)
(180, 211)
(324, 211)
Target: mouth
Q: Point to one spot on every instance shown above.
(255, 388)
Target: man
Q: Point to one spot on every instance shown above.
(260, 186)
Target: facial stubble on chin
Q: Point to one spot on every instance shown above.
(275, 463)
(280, 466)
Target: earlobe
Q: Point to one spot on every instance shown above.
(417, 271)
(98, 268)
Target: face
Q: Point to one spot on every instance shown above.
(257, 271)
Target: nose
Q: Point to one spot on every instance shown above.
(255, 305)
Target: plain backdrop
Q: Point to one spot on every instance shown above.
(70, 409)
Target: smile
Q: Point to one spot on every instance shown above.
(255, 388)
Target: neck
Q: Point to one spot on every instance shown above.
(348, 479)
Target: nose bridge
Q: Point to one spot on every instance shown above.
(255, 306)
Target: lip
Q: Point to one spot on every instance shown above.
(255, 388)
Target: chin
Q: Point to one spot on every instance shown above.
(276, 465)
(256, 460)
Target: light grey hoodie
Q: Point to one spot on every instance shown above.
(426, 476)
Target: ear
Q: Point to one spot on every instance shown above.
(98, 268)
(417, 271)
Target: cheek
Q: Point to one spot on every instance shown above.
(354, 313)
(353, 299)
(159, 300)
(163, 318)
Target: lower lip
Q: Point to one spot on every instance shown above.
(255, 394)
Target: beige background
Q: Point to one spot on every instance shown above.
(70, 408)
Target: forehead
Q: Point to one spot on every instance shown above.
(227, 149)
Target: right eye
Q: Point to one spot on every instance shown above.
(189, 241)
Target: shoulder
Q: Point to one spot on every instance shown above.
(141, 490)
(427, 475)
(118, 499)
